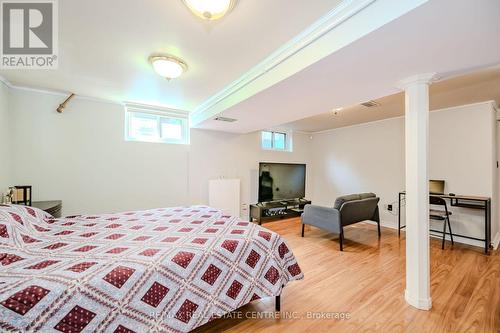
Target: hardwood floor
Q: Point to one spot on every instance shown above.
(366, 281)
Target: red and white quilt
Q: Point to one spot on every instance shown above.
(161, 270)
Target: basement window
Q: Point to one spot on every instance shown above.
(156, 125)
(276, 140)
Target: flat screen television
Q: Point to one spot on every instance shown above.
(281, 181)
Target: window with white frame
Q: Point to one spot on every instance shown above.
(276, 140)
(156, 125)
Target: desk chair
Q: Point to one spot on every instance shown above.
(441, 215)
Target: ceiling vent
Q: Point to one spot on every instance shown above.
(227, 120)
(370, 104)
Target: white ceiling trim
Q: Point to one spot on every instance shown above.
(325, 24)
(56, 92)
(9, 85)
(488, 102)
(138, 107)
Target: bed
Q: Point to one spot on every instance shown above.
(160, 270)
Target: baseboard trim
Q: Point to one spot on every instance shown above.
(384, 224)
(459, 239)
(496, 241)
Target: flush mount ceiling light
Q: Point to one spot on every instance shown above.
(210, 9)
(168, 66)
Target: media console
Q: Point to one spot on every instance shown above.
(274, 210)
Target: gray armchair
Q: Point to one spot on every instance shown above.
(347, 210)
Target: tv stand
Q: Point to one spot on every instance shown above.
(275, 210)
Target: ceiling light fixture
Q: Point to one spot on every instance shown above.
(210, 9)
(168, 66)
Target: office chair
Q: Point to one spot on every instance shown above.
(441, 215)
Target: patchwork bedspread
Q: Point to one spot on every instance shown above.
(161, 270)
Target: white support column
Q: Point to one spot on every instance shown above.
(417, 291)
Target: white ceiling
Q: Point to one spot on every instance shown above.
(104, 47)
(448, 37)
(472, 88)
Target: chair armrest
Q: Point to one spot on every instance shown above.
(322, 217)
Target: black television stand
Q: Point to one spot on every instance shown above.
(275, 210)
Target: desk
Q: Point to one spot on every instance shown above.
(474, 202)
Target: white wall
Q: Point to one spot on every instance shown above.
(214, 154)
(363, 158)
(463, 152)
(5, 142)
(370, 157)
(81, 157)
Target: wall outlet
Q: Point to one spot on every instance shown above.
(389, 207)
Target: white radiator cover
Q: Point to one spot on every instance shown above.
(224, 194)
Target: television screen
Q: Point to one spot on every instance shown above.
(281, 181)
